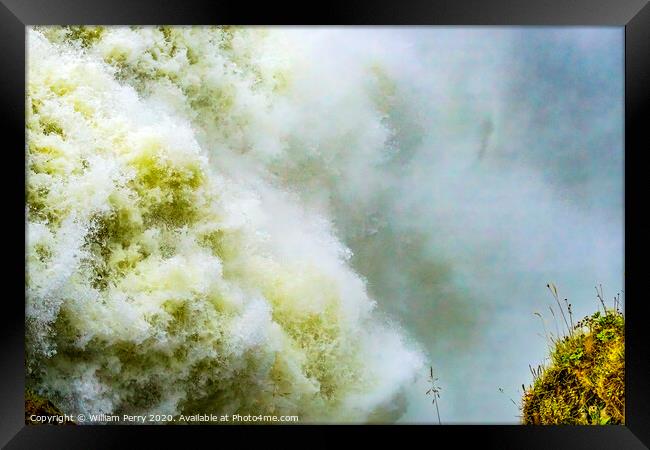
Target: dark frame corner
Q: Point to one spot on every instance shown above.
(634, 15)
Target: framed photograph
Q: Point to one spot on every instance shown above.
(401, 218)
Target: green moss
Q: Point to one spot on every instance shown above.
(584, 384)
(36, 405)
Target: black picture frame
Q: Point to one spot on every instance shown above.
(634, 15)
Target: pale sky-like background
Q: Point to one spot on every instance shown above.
(510, 177)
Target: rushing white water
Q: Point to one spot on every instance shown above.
(168, 272)
(301, 220)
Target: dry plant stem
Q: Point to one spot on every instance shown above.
(553, 290)
(434, 391)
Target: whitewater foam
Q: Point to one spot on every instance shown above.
(170, 269)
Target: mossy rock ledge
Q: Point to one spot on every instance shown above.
(35, 405)
(584, 384)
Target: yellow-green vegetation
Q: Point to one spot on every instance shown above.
(35, 405)
(585, 381)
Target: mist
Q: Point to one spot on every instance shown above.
(506, 175)
(414, 188)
